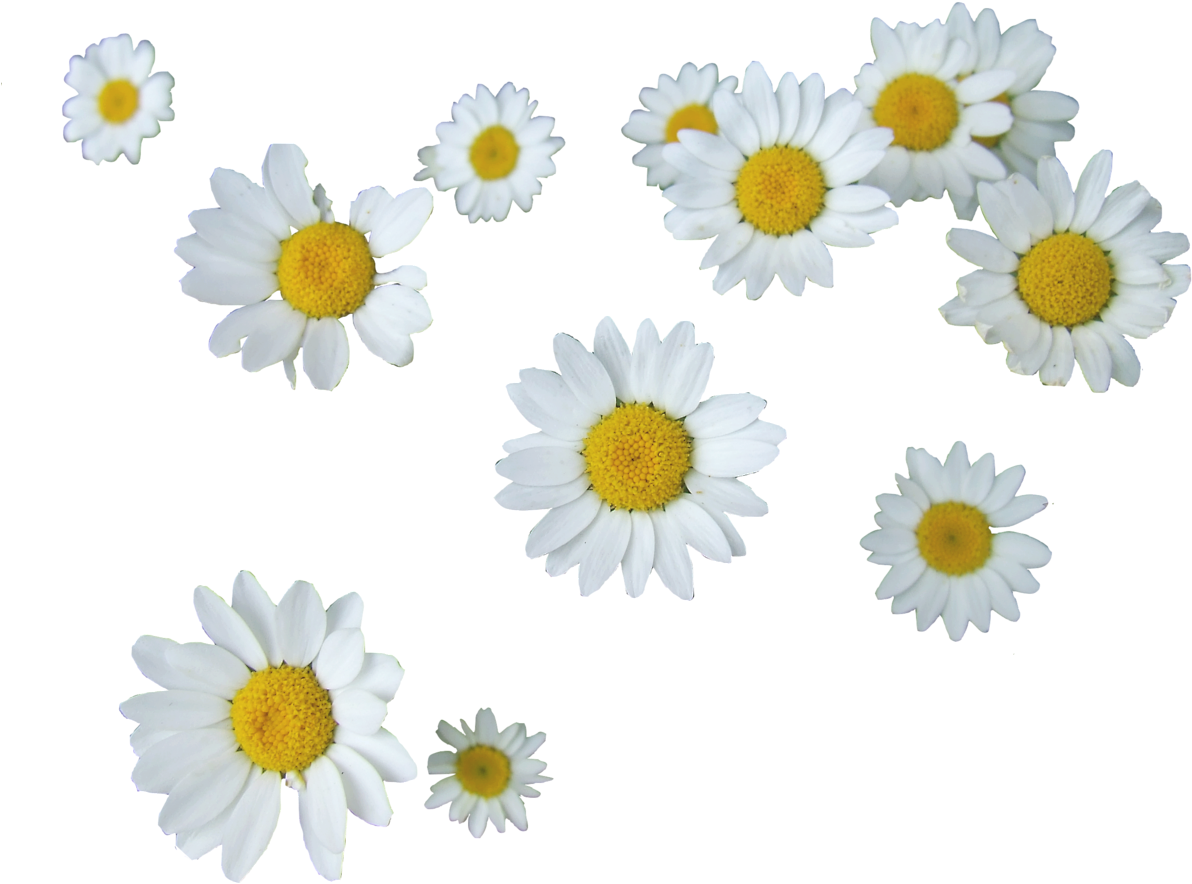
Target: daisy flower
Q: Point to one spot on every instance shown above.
(676, 104)
(633, 467)
(493, 151)
(776, 183)
(285, 692)
(118, 103)
(936, 535)
(490, 771)
(245, 250)
(1069, 273)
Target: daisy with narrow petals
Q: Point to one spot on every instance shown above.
(632, 466)
(283, 237)
(119, 103)
(490, 772)
(936, 536)
(286, 692)
(777, 183)
(494, 151)
(677, 104)
(1069, 273)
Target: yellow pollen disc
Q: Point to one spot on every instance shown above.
(483, 770)
(1065, 279)
(694, 116)
(921, 110)
(637, 457)
(780, 189)
(954, 538)
(992, 140)
(282, 718)
(326, 269)
(494, 153)
(118, 101)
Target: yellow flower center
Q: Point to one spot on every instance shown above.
(326, 269)
(954, 538)
(118, 101)
(637, 457)
(483, 770)
(494, 153)
(780, 189)
(282, 718)
(991, 141)
(1065, 279)
(693, 116)
(921, 110)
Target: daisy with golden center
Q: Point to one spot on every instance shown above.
(119, 103)
(490, 771)
(286, 692)
(633, 467)
(777, 183)
(1069, 273)
(284, 238)
(494, 151)
(936, 534)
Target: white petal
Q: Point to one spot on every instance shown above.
(251, 602)
(325, 352)
(1090, 191)
(176, 710)
(638, 561)
(1057, 367)
(358, 710)
(608, 540)
(1021, 548)
(542, 466)
(562, 524)
(340, 658)
(723, 414)
(323, 804)
(219, 671)
(757, 94)
(698, 529)
(382, 751)
(901, 577)
(204, 793)
(1092, 353)
(396, 225)
(730, 495)
(364, 791)
(613, 353)
(1057, 190)
(273, 329)
(585, 375)
(163, 765)
(730, 457)
(1017, 510)
(228, 629)
(284, 179)
(529, 497)
(301, 624)
(380, 674)
(671, 560)
(982, 249)
(252, 823)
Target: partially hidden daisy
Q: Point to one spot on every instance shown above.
(936, 536)
(632, 465)
(286, 692)
(777, 183)
(677, 104)
(1069, 273)
(490, 771)
(283, 237)
(494, 151)
(119, 103)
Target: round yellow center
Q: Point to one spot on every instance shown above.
(693, 116)
(1065, 279)
(921, 110)
(954, 538)
(780, 189)
(637, 457)
(483, 770)
(118, 101)
(494, 153)
(326, 269)
(992, 140)
(282, 718)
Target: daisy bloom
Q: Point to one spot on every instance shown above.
(633, 467)
(247, 249)
(936, 535)
(490, 771)
(776, 183)
(676, 104)
(118, 103)
(493, 151)
(286, 692)
(1069, 273)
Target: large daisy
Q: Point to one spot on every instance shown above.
(286, 692)
(1069, 273)
(777, 183)
(633, 467)
(247, 249)
(936, 536)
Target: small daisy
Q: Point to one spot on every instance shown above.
(490, 771)
(936, 535)
(118, 102)
(1068, 274)
(493, 151)
(675, 105)
(777, 183)
(285, 692)
(244, 251)
(633, 467)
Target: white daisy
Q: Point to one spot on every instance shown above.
(493, 151)
(633, 467)
(285, 692)
(1068, 274)
(777, 183)
(118, 103)
(676, 104)
(913, 88)
(936, 536)
(490, 771)
(244, 251)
